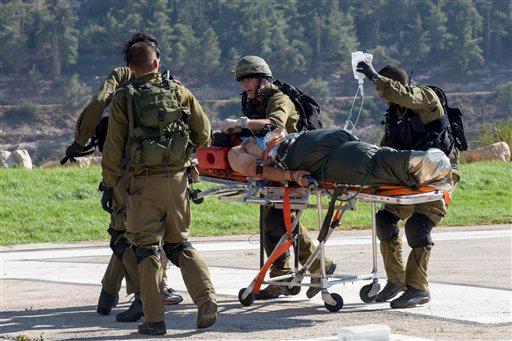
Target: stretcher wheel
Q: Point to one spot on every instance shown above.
(248, 300)
(294, 290)
(365, 290)
(337, 306)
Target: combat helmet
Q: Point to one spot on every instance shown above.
(251, 66)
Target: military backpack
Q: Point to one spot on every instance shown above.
(158, 131)
(454, 118)
(308, 108)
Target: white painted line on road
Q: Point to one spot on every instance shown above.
(457, 302)
(392, 337)
(241, 245)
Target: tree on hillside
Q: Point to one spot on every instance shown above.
(53, 39)
(300, 39)
(414, 44)
(209, 60)
(158, 23)
(185, 48)
(438, 37)
(496, 29)
(75, 95)
(14, 25)
(464, 23)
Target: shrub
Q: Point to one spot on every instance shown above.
(27, 111)
(504, 97)
(496, 132)
(75, 95)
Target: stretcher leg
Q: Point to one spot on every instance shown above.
(369, 292)
(262, 238)
(246, 295)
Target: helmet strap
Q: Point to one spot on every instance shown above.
(258, 89)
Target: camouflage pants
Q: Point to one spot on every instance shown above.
(414, 272)
(274, 229)
(159, 211)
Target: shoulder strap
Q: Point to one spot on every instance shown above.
(129, 102)
(440, 94)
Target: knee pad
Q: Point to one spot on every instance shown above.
(417, 230)
(387, 228)
(114, 235)
(118, 243)
(174, 250)
(120, 247)
(143, 252)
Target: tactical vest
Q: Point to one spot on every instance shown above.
(409, 132)
(254, 109)
(158, 131)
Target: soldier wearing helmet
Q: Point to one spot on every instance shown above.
(264, 104)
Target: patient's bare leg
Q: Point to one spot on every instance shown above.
(241, 161)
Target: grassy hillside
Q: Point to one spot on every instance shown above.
(57, 205)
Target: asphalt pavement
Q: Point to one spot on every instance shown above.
(50, 291)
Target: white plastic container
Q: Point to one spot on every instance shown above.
(368, 332)
(357, 57)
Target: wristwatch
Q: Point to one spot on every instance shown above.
(259, 168)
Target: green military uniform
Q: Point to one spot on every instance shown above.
(277, 107)
(423, 101)
(86, 124)
(158, 207)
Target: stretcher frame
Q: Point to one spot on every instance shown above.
(261, 192)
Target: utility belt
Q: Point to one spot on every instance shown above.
(154, 172)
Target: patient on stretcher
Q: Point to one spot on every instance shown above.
(337, 156)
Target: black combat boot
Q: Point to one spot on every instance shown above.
(152, 328)
(106, 302)
(411, 298)
(206, 314)
(389, 291)
(312, 291)
(134, 313)
(271, 291)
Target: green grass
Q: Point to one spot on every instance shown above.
(62, 204)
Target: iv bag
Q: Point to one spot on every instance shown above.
(357, 57)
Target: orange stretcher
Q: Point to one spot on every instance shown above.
(236, 187)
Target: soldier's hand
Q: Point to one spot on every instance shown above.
(73, 151)
(300, 177)
(107, 197)
(367, 70)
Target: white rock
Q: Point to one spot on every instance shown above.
(21, 157)
(499, 151)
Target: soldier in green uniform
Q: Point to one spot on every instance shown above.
(266, 104)
(154, 123)
(115, 202)
(416, 120)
